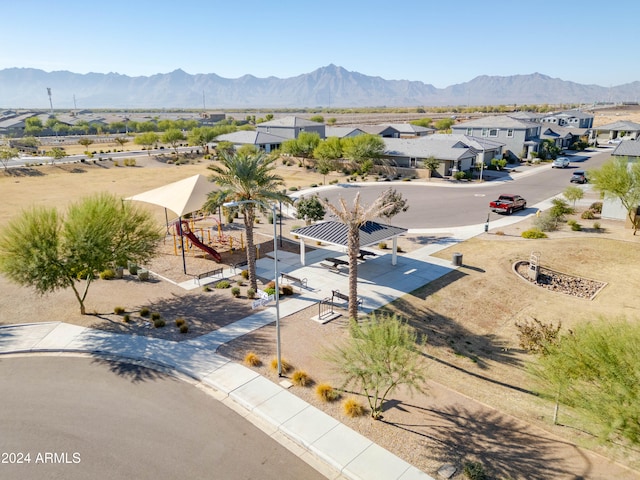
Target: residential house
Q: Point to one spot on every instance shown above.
(291, 127)
(569, 118)
(454, 152)
(617, 131)
(384, 131)
(343, 132)
(520, 137)
(265, 142)
(408, 130)
(563, 137)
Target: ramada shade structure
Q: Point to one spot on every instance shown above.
(335, 233)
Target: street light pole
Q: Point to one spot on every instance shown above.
(276, 295)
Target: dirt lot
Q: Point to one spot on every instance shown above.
(479, 404)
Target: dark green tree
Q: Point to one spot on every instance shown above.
(310, 209)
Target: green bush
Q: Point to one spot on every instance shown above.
(108, 274)
(235, 291)
(118, 310)
(596, 207)
(270, 291)
(180, 321)
(293, 189)
(382, 245)
(533, 233)
(474, 471)
(588, 215)
(546, 222)
(459, 175)
(159, 323)
(126, 318)
(245, 274)
(184, 328)
(597, 226)
(251, 293)
(144, 312)
(575, 226)
(223, 284)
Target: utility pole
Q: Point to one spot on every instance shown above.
(50, 102)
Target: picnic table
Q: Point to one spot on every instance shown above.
(336, 261)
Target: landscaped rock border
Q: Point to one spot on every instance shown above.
(560, 282)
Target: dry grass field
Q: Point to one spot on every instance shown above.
(479, 403)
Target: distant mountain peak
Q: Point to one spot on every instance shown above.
(327, 86)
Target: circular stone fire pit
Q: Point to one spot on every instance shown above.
(560, 282)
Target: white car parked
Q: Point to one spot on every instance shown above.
(560, 162)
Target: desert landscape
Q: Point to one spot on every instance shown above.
(480, 403)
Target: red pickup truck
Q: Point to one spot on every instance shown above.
(508, 204)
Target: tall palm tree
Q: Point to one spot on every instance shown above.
(247, 177)
(354, 217)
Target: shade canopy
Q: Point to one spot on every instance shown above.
(336, 233)
(182, 197)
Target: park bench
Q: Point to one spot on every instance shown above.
(342, 296)
(211, 273)
(238, 265)
(302, 282)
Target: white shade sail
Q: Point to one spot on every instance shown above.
(182, 197)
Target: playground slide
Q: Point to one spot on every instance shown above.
(184, 230)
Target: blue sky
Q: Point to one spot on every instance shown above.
(441, 43)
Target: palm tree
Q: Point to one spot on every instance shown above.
(250, 178)
(354, 218)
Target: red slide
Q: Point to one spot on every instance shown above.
(183, 229)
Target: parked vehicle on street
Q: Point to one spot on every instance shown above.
(560, 162)
(579, 176)
(508, 204)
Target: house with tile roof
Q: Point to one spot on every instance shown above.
(520, 137)
(453, 152)
(290, 127)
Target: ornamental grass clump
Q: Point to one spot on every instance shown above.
(301, 378)
(286, 366)
(327, 393)
(353, 408)
(252, 360)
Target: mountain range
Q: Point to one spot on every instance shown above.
(330, 86)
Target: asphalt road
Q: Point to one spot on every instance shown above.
(433, 206)
(81, 418)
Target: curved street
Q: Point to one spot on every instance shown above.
(80, 418)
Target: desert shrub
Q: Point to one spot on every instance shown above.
(293, 189)
(326, 392)
(245, 274)
(382, 245)
(300, 378)
(115, 163)
(474, 471)
(223, 284)
(459, 175)
(144, 312)
(596, 207)
(353, 408)
(287, 290)
(545, 222)
(155, 316)
(118, 310)
(252, 360)
(180, 321)
(499, 233)
(206, 288)
(159, 323)
(239, 283)
(286, 366)
(333, 182)
(533, 233)
(314, 185)
(184, 328)
(560, 208)
(588, 215)
(536, 337)
(235, 291)
(270, 291)
(597, 226)
(399, 249)
(251, 293)
(108, 274)
(575, 226)
(126, 318)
